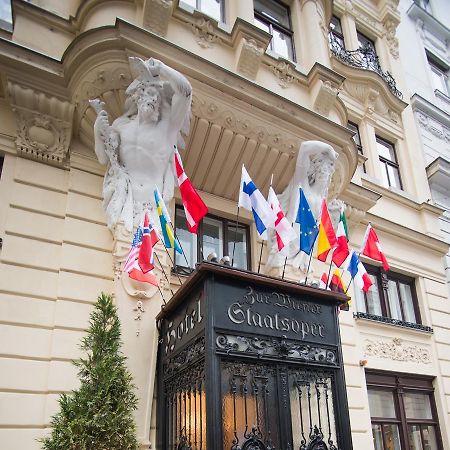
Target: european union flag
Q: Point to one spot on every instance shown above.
(308, 225)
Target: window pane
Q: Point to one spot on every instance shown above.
(394, 301)
(360, 300)
(335, 25)
(391, 437)
(364, 41)
(407, 301)
(240, 252)
(282, 44)
(394, 176)
(187, 239)
(261, 25)
(384, 176)
(373, 298)
(212, 8)
(273, 10)
(381, 404)
(415, 441)
(5, 14)
(377, 437)
(417, 406)
(192, 3)
(429, 438)
(353, 127)
(212, 237)
(386, 150)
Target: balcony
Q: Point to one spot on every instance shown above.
(362, 58)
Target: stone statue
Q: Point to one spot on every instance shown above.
(138, 147)
(313, 171)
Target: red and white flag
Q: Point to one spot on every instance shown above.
(283, 229)
(341, 251)
(371, 247)
(194, 206)
(149, 239)
(323, 284)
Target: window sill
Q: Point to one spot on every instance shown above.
(395, 322)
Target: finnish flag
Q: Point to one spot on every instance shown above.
(251, 199)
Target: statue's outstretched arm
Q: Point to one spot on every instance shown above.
(181, 100)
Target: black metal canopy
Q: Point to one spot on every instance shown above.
(252, 362)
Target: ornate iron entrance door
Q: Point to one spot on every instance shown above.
(250, 363)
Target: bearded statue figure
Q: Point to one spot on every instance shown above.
(138, 147)
(313, 171)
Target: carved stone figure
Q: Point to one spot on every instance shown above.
(313, 171)
(138, 147)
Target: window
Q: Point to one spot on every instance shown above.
(403, 412)
(274, 17)
(214, 235)
(390, 171)
(212, 8)
(5, 15)
(439, 77)
(392, 295)
(424, 4)
(365, 42)
(357, 138)
(336, 31)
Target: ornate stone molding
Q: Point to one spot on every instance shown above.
(156, 15)
(191, 353)
(361, 16)
(325, 98)
(397, 350)
(277, 348)
(390, 28)
(204, 29)
(433, 126)
(44, 124)
(250, 56)
(284, 71)
(239, 122)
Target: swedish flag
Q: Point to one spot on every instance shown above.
(166, 229)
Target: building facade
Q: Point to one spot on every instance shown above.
(266, 76)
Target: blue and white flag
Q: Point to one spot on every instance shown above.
(251, 199)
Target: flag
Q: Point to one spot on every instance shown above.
(131, 265)
(134, 251)
(308, 225)
(149, 240)
(327, 237)
(164, 218)
(371, 247)
(344, 222)
(194, 206)
(341, 251)
(336, 283)
(283, 229)
(251, 199)
(358, 272)
(323, 284)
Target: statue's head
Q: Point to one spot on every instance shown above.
(322, 165)
(146, 97)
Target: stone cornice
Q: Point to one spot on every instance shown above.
(432, 25)
(420, 104)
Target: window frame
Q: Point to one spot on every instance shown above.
(367, 39)
(273, 24)
(399, 384)
(388, 162)
(225, 241)
(198, 7)
(382, 279)
(339, 36)
(442, 71)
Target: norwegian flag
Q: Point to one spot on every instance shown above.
(194, 206)
(149, 239)
(283, 229)
(134, 251)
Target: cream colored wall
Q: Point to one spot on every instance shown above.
(57, 251)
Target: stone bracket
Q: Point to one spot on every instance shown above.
(44, 124)
(325, 97)
(156, 15)
(250, 54)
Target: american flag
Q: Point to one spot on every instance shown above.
(134, 251)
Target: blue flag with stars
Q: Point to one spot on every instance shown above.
(308, 225)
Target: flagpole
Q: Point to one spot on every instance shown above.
(173, 264)
(235, 235)
(163, 299)
(284, 267)
(348, 287)
(310, 256)
(260, 254)
(164, 272)
(182, 250)
(329, 271)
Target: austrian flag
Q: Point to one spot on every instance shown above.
(194, 206)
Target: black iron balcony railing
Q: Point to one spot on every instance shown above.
(363, 58)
